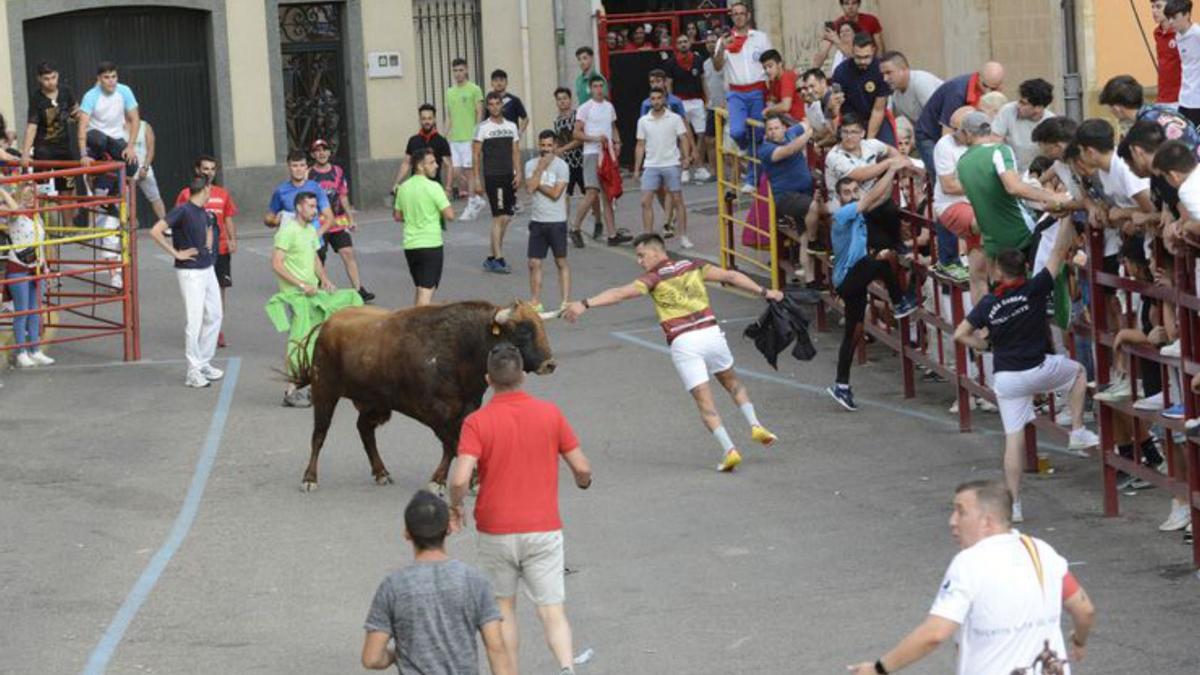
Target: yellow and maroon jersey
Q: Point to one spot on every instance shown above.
(680, 297)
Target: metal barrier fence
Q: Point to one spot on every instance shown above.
(730, 227)
(89, 269)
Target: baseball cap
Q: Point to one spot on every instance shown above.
(977, 124)
(319, 143)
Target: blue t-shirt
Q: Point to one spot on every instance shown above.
(1016, 323)
(849, 240)
(674, 104)
(189, 229)
(284, 198)
(790, 174)
(947, 98)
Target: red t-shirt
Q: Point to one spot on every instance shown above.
(517, 440)
(867, 23)
(785, 86)
(221, 205)
(1169, 68)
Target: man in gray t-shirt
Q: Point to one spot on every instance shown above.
(546, 178)
(434, 607)
(911, 89)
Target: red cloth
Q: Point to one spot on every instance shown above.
(758, 218)
(1170, 70)
(1070, 586)
(609, 173)
(517, 440)
(783, 87)
(867, 23)
(974, 91)
(735, 41)
(221, 205)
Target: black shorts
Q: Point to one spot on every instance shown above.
(223, 270)
(62, 184)
(339, 240)
(710, 124)
(547, 237)
(575, 178)
(793, 205)
(1111, 264)
(425, 266)
(500, 194)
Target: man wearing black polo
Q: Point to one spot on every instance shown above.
(866, 91)
(428, 137)
(50, 108)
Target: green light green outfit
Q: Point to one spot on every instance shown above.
(421, 201)
(1002, 218)
(460, 106)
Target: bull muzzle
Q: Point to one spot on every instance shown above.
(547, 367)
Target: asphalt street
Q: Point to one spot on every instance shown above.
(154, 528)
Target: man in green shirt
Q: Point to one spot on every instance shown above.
(989, 177)
(587, 68)
(464, 109)
(422, 206)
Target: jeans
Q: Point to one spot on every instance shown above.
(26, 295)
(202, 307)
(745, 105)
(102, 147)
(947, 242)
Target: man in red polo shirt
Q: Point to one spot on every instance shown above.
(222, 207)
(782, 97)
(515, 441)
(1170, 70)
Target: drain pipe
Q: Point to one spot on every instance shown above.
(560, 42)
(526, 66)
(1072, 81)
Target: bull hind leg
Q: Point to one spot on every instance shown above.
(368, 420)
(449, 439)
(323, 404)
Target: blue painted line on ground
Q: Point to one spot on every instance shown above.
(99, 659)
(815, 389)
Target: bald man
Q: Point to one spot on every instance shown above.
(955, 93)
(950, 204)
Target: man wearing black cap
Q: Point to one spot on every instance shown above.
(434, 607)
(332, 180)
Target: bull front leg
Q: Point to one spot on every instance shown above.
(368, 420)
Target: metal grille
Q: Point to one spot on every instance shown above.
(444, 31)
(310, 37)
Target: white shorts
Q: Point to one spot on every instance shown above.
(536, 557)
(695, 114)
(698, 353)
(1015, 389)
(461, 153)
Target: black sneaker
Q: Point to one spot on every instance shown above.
(669, 230)
(619, 238)
(577, 238)
(598, 231)
(844, 396)
(366, 295)
(906, 307)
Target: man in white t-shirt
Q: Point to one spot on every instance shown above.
(596, 128)
(1125, 201)
(1187, 41)
(1016, 119)
(911, 89)
(950, 203)
(108, 119)
(1003, 595)
(737, 56)
(855, 156)
(546, 178)
(663, 145)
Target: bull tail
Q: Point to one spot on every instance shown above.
(299, 367)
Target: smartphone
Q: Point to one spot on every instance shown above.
(836, 88)
(828, 25)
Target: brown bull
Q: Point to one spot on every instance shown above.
(425, 362)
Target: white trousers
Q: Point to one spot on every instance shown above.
(202, 307)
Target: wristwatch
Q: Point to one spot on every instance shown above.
(879, 667)
(586, 304)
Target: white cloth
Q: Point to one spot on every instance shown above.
(461, 154)
(693, 109)
(1018, 133)
(992, 590)
(202, 309)
(744, 68)
(139, 149)
(714, 85)
(697, 353)
(1188, 45)
(1189, 195)
(661, 136)
(946, 154)
(814, 116)
(598, 119)
(1120, 184)
(910, 102)
(839, 162)
(1015, 389)
(544, 209)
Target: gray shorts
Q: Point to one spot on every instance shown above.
(149, 186)
(591, 172)
(536, 557)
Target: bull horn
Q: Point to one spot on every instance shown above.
(546, 316)
(504, 315)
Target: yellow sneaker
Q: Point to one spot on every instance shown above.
(730, 462)
(762, 435)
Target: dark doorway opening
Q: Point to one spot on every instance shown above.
(314, 79)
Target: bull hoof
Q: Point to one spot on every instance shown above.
(308, 486)
(385, 479)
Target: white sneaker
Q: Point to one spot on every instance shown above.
(1172, 350)
(1179, 518)
(41, 359)
(748, 189)
(24, 360)
(1017, 516)
(684, 242)
(211, 374)
(1117, 391)
(1063, 418)
(1082, 439)
(685, 176)
(195, 380)
(984, 405)
(1154, 402)
(702, 175)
